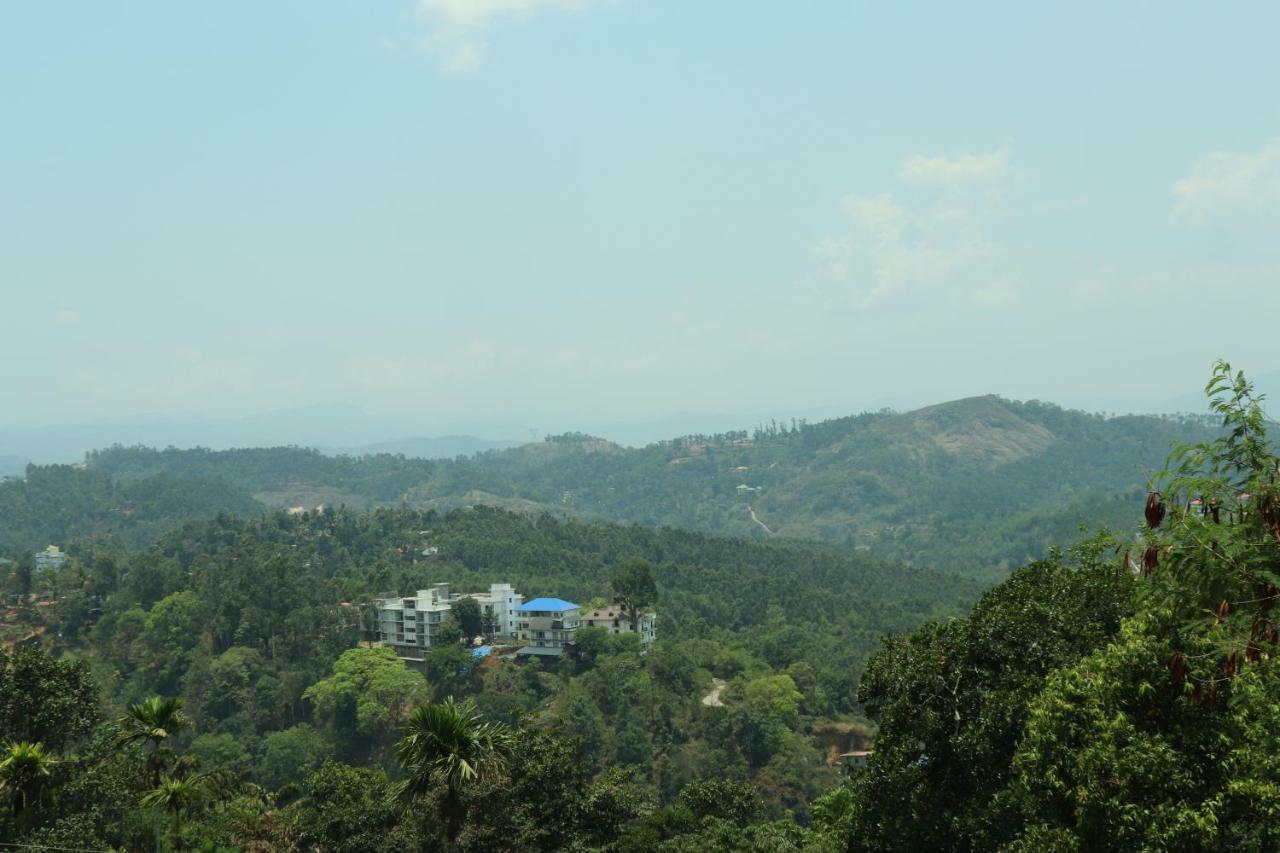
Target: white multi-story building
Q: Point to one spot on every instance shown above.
(616, 621)
(410, 624)
(50, 558)
(546, 626)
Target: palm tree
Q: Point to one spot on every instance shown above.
(449, 746)
(24, 766)
(153, 720)
(176, 796)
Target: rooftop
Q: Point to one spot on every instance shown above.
(549, 605)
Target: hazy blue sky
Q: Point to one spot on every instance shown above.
(530, 210)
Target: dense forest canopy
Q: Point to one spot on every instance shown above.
(256, 626)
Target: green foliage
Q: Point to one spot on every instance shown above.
(367, 696)
(1167, 738)
(978, 485)
(290, 755)
(1080, 709)
(221, 752)
(951, 700)
(44, 700)
(57, 503)
(351, 810)
(634, 588)
(25, 768)
(733, 801)
(466, 611)
(448, 748)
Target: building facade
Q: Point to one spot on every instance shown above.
(410, 624)
(546, 626)
(50, 558)
(616, 621)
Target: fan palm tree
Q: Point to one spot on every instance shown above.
(448, 747)
(24, 767)
(153, 721)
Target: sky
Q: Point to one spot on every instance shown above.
(491, 215)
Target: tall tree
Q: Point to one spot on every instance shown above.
(53, 702)
(176, 797)
(470, 619)
(153, 721)
(448, 748)
(24, 768)
(366, 696)
(634, 588)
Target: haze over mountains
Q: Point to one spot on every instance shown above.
(339, 428)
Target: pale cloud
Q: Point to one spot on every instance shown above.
(1226, 184)
(935, 240)
(959, 169)
(888, 248)
(457, 28)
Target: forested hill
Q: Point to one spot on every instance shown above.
(976, 485)
(254, 625)
(59, 503)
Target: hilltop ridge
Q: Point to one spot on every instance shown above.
(976, 485)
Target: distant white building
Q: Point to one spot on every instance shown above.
(616, 621)
(547, 626)
(50, 558)
(410, 624)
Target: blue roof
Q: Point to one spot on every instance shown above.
(481, 651)
(539, 605)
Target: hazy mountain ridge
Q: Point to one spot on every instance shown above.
(976, 485)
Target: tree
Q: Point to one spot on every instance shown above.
(952, 700)
(289, 755)
(634, 588)
(24, 769)
(447, 748)
(489, 622)
(734, 801)
(467, 612)
(220, 751)
(1169, 736)
(53, 702)
(176, 797)
(450, 670)
(349, 810)
(153, 721)
(449, 633)
(367, 694)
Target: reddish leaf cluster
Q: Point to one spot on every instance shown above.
(1155, 510)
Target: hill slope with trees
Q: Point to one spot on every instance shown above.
(975, 486)
(254, 627)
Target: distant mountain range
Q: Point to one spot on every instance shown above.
(441, 447)
(976, 486)
(337, 428)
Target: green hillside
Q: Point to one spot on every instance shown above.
(255, 625)
(976, 485)
(57, 503)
